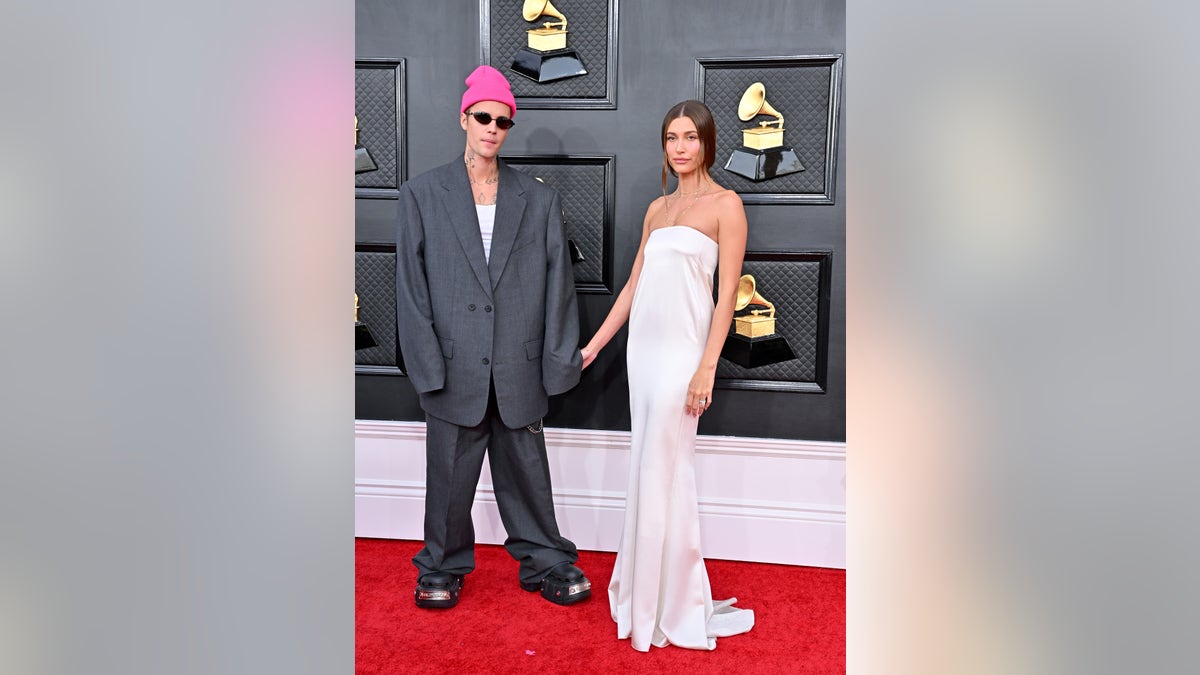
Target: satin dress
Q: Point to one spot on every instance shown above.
(659, 593)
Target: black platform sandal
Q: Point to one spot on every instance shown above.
(438, 590)
(565, 584)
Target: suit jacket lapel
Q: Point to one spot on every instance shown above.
(510, 208)
(460, 205)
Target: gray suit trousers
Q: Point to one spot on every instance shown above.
(521, 476)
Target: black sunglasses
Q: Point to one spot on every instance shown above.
(485, 119)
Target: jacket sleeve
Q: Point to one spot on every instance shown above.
(414, 311)
(561, 360)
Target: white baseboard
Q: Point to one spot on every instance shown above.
(761, 500)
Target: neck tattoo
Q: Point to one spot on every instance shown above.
(482, 188)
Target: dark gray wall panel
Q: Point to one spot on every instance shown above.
(585, 187)
(503, 33)
(385, 397)
(378, 106)
(797, 285)
(656, 66)
(375, 286)
(805, 89)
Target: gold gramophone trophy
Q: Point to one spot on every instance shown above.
(362, 157)
(546, 57)
(763, 154)
(362, 335)
(753, 341)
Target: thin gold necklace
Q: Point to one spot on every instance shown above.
(695, 198)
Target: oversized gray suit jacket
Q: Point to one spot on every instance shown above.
(462, 321)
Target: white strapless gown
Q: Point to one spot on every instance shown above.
(659, 593)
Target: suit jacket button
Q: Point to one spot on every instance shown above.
(471, 307)
(485, 361)
(487, 308)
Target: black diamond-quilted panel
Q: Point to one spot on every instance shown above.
(801, 93)
(587, 34)
(378, 121)
(581, 189)
(794, 287)
(375, 283)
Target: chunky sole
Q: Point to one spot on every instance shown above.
(438, 597)
(563, 592)
(560, 591)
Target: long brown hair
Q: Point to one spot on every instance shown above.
(702, 117)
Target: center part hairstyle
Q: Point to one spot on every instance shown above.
(702, 117)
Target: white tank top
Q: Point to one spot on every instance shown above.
(487, 222)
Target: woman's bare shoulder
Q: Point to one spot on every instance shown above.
(728, 198)
(656, 205)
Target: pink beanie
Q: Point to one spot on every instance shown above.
(487, 84)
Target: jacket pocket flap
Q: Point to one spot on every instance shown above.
(533, 349)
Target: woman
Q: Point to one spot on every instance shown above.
(659, 593)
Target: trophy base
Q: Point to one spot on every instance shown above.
(574, 252)
(763, 164)
(548, 66)
(362, 337)
(754, 352)
(362, 160)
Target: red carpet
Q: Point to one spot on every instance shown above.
(799, 612)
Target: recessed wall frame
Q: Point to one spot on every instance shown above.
(798, 284)
(806, 92)
(375, 284)
(586, 187)
(592, 36)
(380, 106)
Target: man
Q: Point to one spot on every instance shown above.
(488, 325)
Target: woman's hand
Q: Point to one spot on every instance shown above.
(588, 357)
(700, 389)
